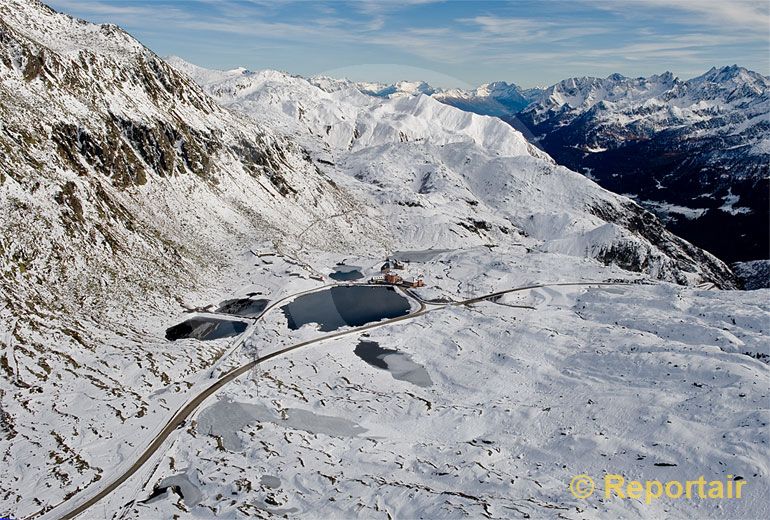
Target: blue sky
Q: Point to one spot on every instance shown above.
(449, 43)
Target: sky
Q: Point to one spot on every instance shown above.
(449, 43)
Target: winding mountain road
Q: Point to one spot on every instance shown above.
(183, 413)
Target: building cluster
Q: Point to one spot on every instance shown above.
(389, 275)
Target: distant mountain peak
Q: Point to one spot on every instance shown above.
(733, 74)
(630, 133)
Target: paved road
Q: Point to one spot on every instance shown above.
(192, 405)
(540, 286)
(182, 415)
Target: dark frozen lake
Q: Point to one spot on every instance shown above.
(399, 365)
(205, 329)
(245, 307)
(347, 274)
(351, 306)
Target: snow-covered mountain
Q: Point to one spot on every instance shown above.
(132, 200)
(493, 99)
(695, 151)
(122, 187)
(450, 177)
(348, 119)
(384, 90)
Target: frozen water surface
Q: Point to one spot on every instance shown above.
(351, 306)
(205, 329)
(399, 365)
(245, 307)
(346, 273)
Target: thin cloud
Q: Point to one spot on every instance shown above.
(469, 40)
(724, 16)
(491, 28)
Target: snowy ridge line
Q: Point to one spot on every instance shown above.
(442, 176)
(189, 408)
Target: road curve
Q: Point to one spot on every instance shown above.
(183, 413)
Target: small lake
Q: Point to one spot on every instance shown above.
(346, 273)
(351, 306)
(205, 329)
(226, 419)
(244, 307)
(399, 365)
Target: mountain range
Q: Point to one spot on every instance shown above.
(492, 183)
(138, 194)
(695, 152)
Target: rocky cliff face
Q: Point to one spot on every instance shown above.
(109, 155)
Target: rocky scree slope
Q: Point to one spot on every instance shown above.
(123, 187)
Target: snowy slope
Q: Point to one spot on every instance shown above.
(348, 119)
(122, 188)
(653, 382)
(445, 177)
(130, 199)
(493, 99)
(687, 150)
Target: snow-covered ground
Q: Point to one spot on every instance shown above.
(441, 177)
(150, 204)
(650, 381)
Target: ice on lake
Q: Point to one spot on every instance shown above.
(205, 329)
(244, 307)
(225, 419)
(399, 365)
